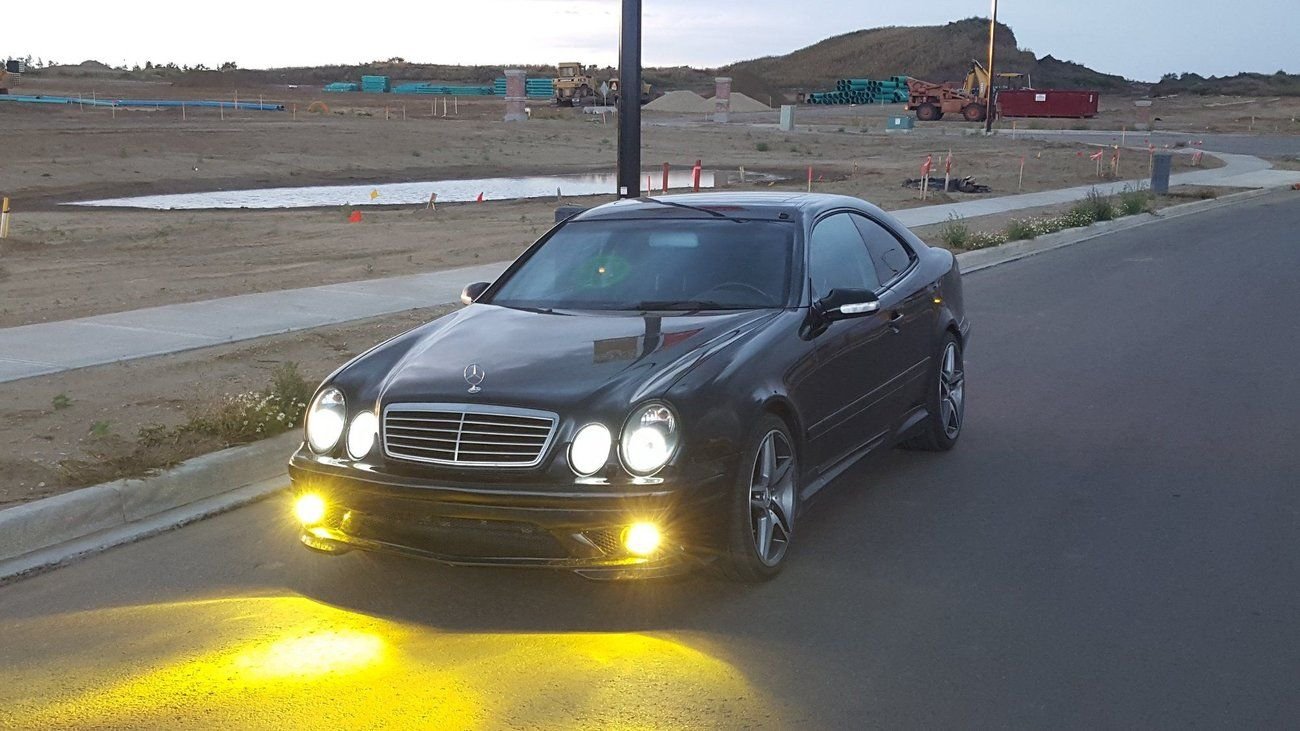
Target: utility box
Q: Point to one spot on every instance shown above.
(899, 123)
(787, 117)
(1161, 163)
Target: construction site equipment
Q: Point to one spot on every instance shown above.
(375, 84)
(614, 94)
(932, 101)
(1070, 104)
(573, 85)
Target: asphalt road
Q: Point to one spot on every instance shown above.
(1115, 543)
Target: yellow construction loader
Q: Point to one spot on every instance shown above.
(573, 85)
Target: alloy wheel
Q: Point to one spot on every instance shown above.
(771, 498)
(951, 391)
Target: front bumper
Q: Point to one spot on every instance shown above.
(572, 527)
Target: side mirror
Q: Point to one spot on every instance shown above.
(842, 304)
(564, 213)
(472, 292)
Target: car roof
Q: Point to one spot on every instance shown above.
(774, 205)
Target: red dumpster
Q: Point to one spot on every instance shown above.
(1071, 103)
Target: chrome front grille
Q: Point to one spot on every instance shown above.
(467, 435)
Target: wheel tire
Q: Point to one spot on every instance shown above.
(973, 112)
(928, 112)
(946, 403)
(774, 472)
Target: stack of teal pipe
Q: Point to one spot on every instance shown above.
(144, 103)
(533, 88)
(374, 84)
(442, 89)
(341, 86)
(863, 91)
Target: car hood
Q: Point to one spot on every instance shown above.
(559, 361)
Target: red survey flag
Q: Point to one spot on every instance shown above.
(947, 164)
(927, 165)
(479, 199)
(1097, 155)
(355, 217)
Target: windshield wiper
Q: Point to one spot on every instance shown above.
(685, 305)
(718, 214)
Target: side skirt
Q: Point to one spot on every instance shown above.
(843, 464)
(913, 419)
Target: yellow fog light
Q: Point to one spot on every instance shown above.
(641, 539)
(309, 508)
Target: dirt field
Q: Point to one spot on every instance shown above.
(65, 262)
(95, 414)
(68, 262)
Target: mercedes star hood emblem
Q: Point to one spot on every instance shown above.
(474, 376)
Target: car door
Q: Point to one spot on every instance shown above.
(907, 303)
(852, 361)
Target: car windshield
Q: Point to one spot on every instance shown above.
(693, 264)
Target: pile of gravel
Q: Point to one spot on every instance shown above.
(681, 102)
(743, 103)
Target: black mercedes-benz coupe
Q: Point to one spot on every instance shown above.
(655, 384)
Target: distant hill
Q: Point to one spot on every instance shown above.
(1244, 84)
(934, 53)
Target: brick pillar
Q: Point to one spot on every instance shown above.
(722, 99)
(516, 96)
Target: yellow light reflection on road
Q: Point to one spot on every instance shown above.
(290, 662)
(330, 652)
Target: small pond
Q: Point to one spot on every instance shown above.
(449, 191)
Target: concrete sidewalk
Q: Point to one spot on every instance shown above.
(35, 350)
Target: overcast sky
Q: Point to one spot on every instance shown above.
(1141, 39)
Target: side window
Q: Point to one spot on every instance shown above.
(887, 252)
(838, 258)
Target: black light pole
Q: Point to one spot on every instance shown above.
(629, 101)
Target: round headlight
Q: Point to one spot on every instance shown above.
(325, 420)
(590, 449)
(362, 434)
(650, 438)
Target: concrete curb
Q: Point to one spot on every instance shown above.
(974, 261)
(58, 530)
(54, 531)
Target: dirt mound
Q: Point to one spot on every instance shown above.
(743, 103)
(681, 102)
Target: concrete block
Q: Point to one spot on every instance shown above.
(722, 99)
(206, 476)
(787, 117)
(57, 519)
